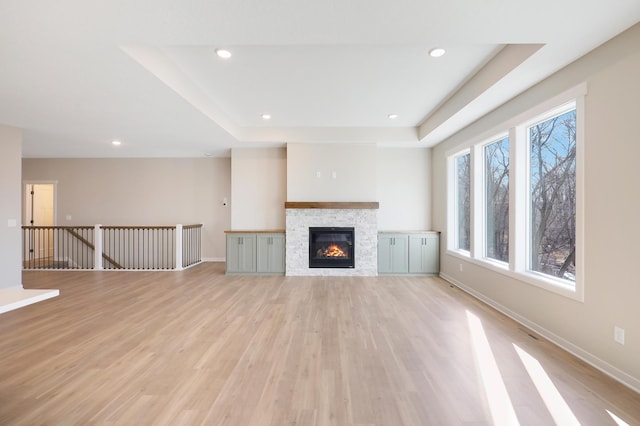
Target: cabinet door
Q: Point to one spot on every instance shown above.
(385, 259)
(392, 254)
(424, 254)
(270, 256)
(241, 250)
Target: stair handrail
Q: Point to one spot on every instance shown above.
(91, 246)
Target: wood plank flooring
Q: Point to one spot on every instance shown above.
(198, 347)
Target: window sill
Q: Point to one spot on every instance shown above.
(557, 286)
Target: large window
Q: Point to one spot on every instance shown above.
(463, 201)
(515, 198)
(552, 194)
(496, 200)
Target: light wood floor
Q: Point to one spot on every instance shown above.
(198, 347)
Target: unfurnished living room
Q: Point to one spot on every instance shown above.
(355, 213)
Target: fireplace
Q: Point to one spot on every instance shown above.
(331, 248)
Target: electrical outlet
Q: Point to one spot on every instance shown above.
(618, 334)
(461, 267)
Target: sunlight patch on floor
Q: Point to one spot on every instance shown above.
(557, 406)
(617, 419)
(502, 411)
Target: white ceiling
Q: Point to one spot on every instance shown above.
(76, 74)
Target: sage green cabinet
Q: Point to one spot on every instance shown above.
(241, 253)
(270, 256)
(409, 253)
(424, 253)
(393, 253)
(255, 253)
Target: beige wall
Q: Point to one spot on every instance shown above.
(258, 188)
(141, 192)
(404, 189)
(10, 231)
(612, 203)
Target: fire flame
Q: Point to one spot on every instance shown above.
(333, 251)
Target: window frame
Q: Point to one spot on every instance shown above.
(485, 199)
(519, 196)
(454, 240)
(555, 112)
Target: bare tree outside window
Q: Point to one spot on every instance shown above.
(463, 200)
(496, 168)
(553, 196)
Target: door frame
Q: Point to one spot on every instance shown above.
(28, 249)
(25, 208)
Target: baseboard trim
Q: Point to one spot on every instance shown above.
(213, 259)
(608, 369)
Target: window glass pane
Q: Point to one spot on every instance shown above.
(496, 169)
(553, 196)
(463, 201)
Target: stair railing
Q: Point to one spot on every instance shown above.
(112, 247)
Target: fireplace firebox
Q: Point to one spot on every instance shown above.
(331, 248)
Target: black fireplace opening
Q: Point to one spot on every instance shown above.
(331, 248)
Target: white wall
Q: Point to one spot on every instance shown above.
(258, 188)
(141, 191)
(10, 194)
(404, 189)
(612, 203)
(263, 179)
(331, 172)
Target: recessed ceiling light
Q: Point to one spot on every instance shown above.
(223, 53)
(116, 143)
(392, 116)
(436, 52)
(266, 116)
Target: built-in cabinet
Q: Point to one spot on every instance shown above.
(408, 253)
(255, 253)
(270, 253)
(393, 252)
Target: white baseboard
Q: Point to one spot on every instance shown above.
(214, 259)
(577, 351)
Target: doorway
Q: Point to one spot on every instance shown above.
(39, 210)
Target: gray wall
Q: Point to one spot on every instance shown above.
(10, 231)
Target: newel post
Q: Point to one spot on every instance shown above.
(97, 242)
(178, 248)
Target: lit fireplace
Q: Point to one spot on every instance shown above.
(334, 250)
(331, 248)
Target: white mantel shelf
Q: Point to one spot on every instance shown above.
(347, 205)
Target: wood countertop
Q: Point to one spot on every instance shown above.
(254, 231)
(332, 205)
(407, 232)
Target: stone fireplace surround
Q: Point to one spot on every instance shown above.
(363, 216)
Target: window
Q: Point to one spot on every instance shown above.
(463, 202)
(516, 197)
(496, 200)
(552, 196)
